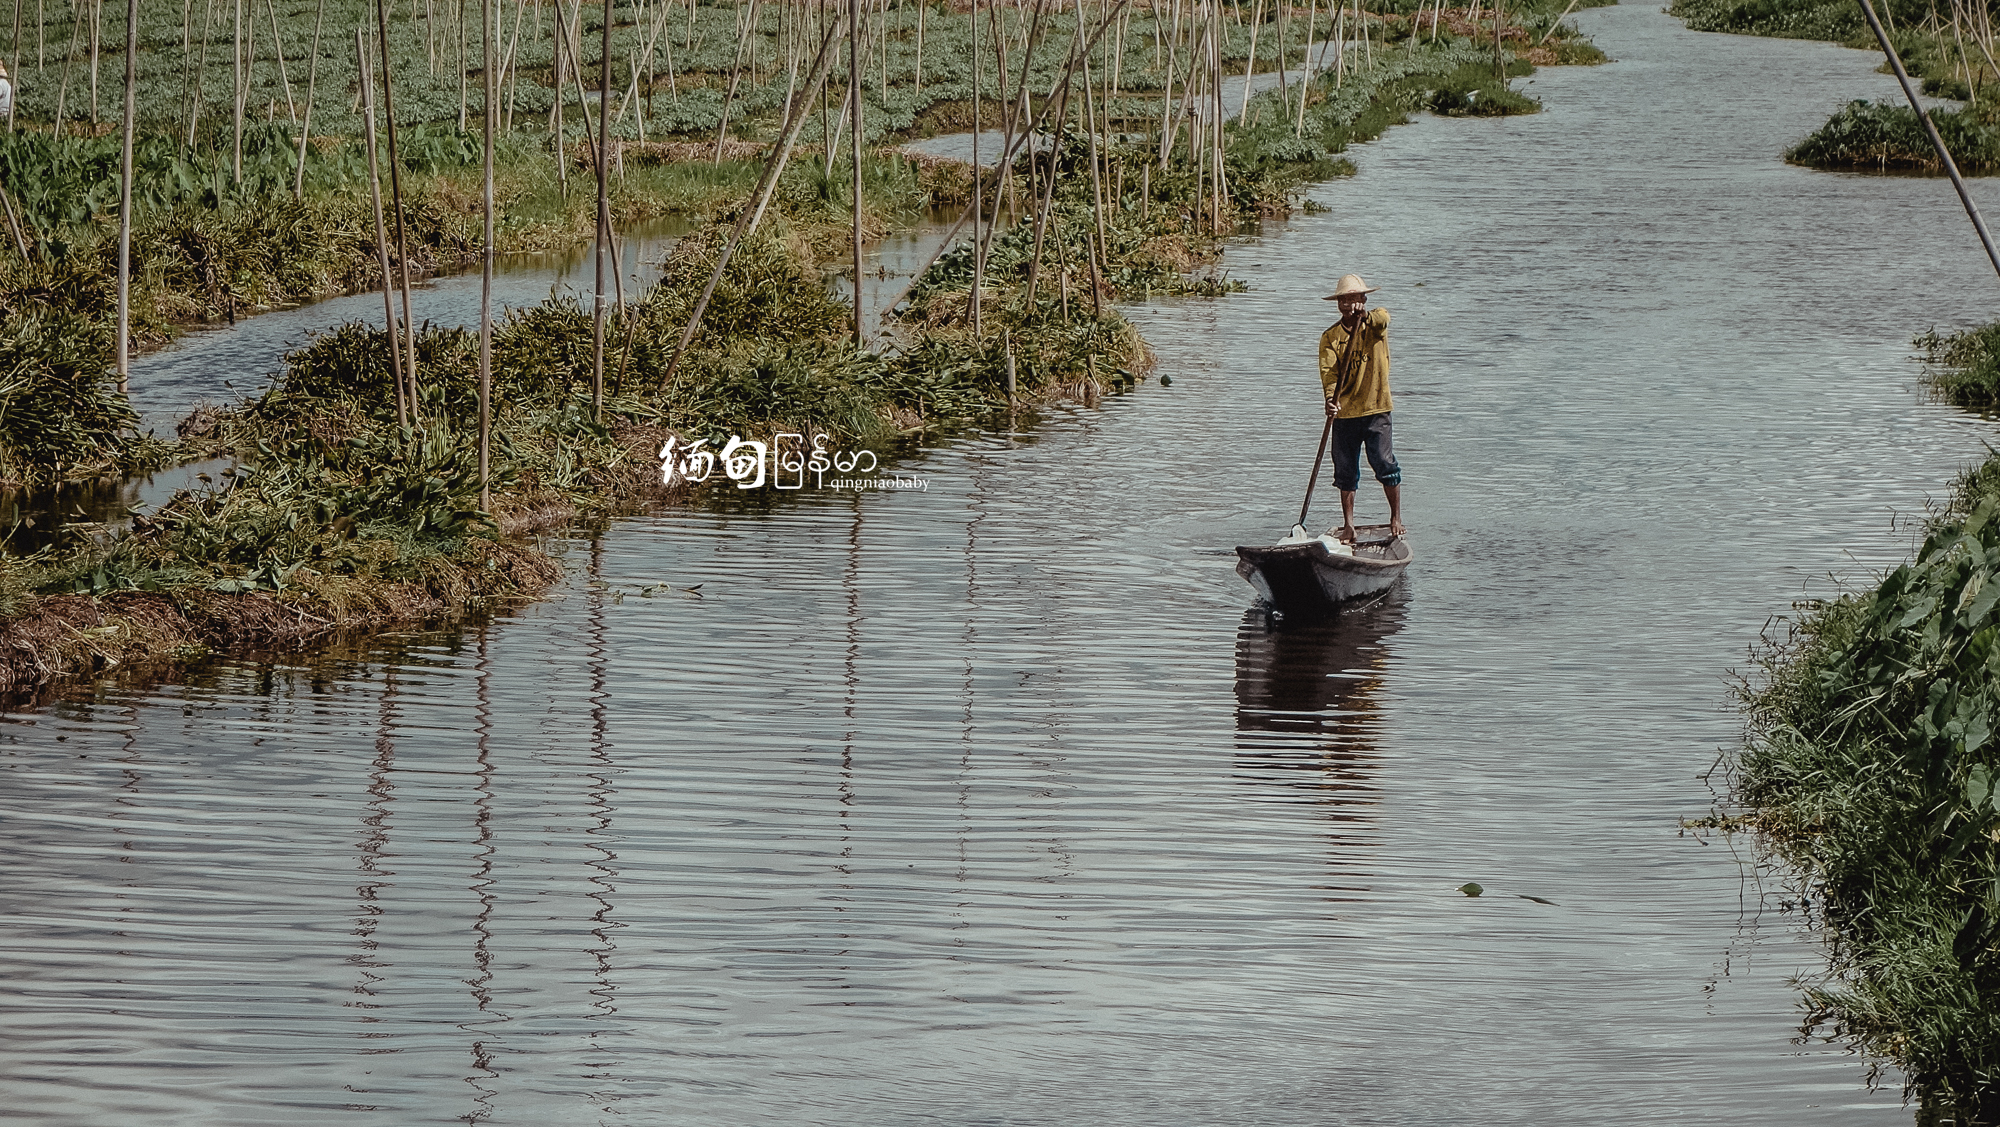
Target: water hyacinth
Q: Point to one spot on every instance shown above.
(1964, 367)
(1883, 135)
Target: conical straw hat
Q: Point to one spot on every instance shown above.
(1350, 283)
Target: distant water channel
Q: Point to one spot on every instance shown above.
(997, 803)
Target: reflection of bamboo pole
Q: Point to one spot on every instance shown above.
(125, 200)
(305, 130)
(396, 201)
(381, 229)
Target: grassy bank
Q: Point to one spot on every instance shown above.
(1942, 54)
(1872, 769)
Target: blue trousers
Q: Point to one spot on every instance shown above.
(1350, 438)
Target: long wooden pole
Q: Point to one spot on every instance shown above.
(125, 200)
(396, 201)
(381, 228)
(854, 99)
(978, 185)
(1930, 130)
(559, 36)
(305, 129)
(603, 217)
(747, 224)
(486, 275)
(242, 92)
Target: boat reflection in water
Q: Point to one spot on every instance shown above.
(1307, 714)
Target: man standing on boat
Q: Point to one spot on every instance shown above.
(1354, 370)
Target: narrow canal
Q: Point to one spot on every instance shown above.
(994, 802)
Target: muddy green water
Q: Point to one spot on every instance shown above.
(995, 803)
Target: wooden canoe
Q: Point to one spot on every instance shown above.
(1307, 578)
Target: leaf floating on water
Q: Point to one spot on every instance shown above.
(1470, 889)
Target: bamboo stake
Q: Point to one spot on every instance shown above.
(1014, 131)
(14, 49)
(236, 161)
(1096, 196)
(1250, 66)
(14, 224)
(200, 72)
(978, 186)
(558, 38)
(1049, 180)
(1937, 142)
(490, 114)
(381, 229)
(1058, 97)
(96, 38)
(464, 76)
(1545, 35)
(603, 218)
(69, 57)
(125, 200)
(576, 79)
(396, 201)
(305, 131)
(747, 223)
(854, 100)
(510, 73)
(735, 76)
(1499, 21)
(278, 49)
(1284, 25)
(1305, 73)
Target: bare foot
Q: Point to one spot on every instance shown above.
(1395, 528)
(1346, 535)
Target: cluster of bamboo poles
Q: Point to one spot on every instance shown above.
(401, 332)
(811, 35)
(1950, 30)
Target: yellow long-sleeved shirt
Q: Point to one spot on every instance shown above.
(1363, 389)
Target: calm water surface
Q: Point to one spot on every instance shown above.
(995, 803)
